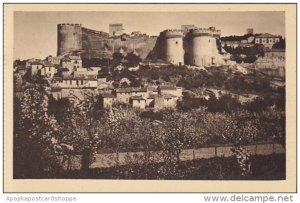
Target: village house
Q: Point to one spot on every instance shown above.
(21, 69)
(267, 40)
(71, 81)
(232, 44)
(170, 90)
(35, 68)
(106, 100)
(53, 60)
(81, 72)
(150, 100)
(72, 93)
(250, 39)
(165, 101)
(103, 84)
(72, 63)
(123, 94)
(64, 71)
(137, 102)
(76, 61)
(48, 70)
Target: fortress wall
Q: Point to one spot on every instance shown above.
(197, 48)
(102, 46)
(97, 44)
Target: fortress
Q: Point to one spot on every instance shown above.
(195, 46)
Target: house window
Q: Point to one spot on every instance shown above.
(176, 42)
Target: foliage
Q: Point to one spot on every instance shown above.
(237, 38)
(83, 129)
(37, 137)
(225, 103)
(280, 44)
(133, 59)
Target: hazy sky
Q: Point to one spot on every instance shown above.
(35, 33)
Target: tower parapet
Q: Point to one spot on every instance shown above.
(201, 32)
(172, 33)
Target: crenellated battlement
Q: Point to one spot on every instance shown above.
(201, 32)
(69, 24)
(172, 33)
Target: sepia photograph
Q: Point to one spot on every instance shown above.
(149, 95)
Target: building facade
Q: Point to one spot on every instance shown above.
(267, 40)
(116, 29)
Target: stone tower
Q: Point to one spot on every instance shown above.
(202, 47)
(115, 29)
(69, 38)
(173, 46)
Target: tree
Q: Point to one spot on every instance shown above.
(280, 44)
(117, 58)
(177, 133)
(37, 138)
(238, 129)
(83, 129)
(133, 60)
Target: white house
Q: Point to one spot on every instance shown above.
(35, 67)
(48, 70)
(267, 40)
(138, 102)
(106, 100)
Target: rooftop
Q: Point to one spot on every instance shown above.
(165, 87)
(266, 35)
(74, 57)
(107, 95)
(137, 98)
(36, 63)
(79, 77)
(48, 64)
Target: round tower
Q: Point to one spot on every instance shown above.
(202, 45)
(69, 38)
(173, 46)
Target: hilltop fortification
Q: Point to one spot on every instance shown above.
(92, 43)
(195, 46)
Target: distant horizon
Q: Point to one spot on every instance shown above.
(35, 33)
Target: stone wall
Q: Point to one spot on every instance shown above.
(113, 159)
